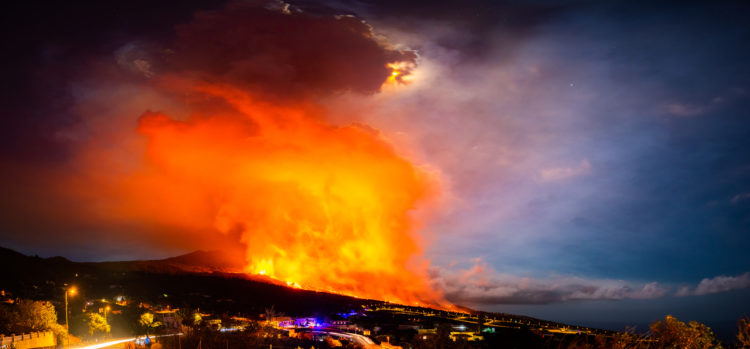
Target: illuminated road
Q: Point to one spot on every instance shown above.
(107, 344)
(115, 342)
(362, 341)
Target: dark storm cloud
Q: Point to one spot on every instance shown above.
(285, 53)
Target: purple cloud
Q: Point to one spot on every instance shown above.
(481, 285)
(716, 284)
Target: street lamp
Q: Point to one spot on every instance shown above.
(72, 291)
(106, 309)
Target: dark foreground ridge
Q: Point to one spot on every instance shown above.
(199, 279)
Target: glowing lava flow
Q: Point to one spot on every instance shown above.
(318, 206)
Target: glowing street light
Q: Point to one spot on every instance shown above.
(72, 290)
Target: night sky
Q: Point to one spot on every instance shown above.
(593, 157)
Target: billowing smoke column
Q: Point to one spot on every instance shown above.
(319, 206)
(242, 149)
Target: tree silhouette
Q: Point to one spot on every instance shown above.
(743, 332)
(28, 316)
(97, 323)
(672, 333)
(147, 322)
(189, 317)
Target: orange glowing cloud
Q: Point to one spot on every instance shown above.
(320, 206)
(223, 142)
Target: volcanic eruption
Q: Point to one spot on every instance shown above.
(232, 143)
